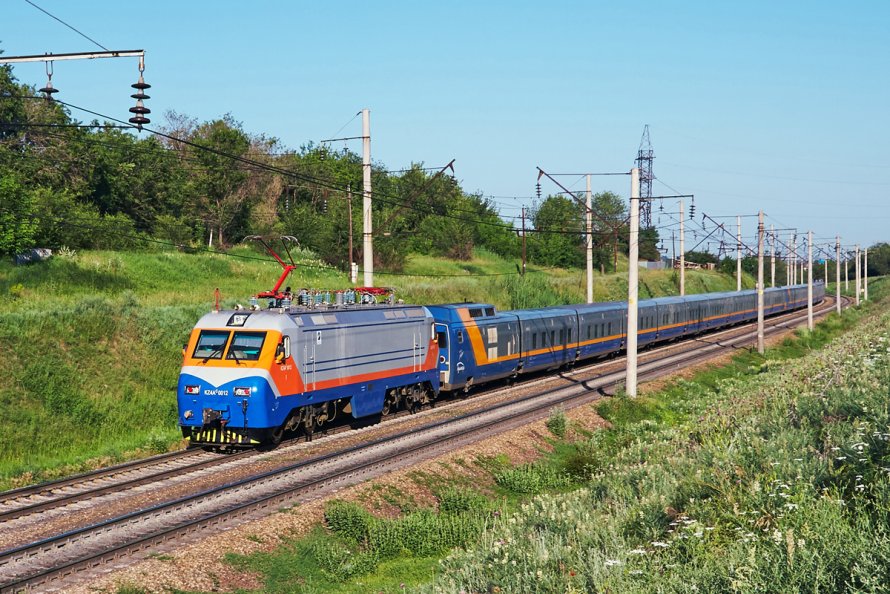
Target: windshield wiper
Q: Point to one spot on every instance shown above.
(213, 354)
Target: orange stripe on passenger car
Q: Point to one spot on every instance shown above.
(474, 332)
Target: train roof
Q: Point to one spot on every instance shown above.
(280, 318)
(451, 312)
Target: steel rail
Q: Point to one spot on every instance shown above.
(579, 391)
(50, 489)
(97, 474)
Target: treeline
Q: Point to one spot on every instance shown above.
(99, 185)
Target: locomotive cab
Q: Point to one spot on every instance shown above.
(224, 388)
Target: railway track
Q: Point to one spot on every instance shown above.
(47, 496)
(42, 563)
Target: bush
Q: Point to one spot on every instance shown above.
(348, 520)
(340, 562)
(532, 478)
(457, 501)
(556, 423)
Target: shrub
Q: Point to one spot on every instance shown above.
(340, 562)
(348, 520)
(556, 423)
(532, 478)
(457, 501)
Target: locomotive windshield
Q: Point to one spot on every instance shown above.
(246, 346)
(211, 344)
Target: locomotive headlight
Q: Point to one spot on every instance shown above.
(188, 414)
(242, 391)
(193, 389)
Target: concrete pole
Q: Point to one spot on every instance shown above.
(352, 266)
(865, 275)
(738, 254)
(794, 258)
(826, 272)
(682, 253)
(810, 280)
(846, 274)
(789, 269)
(856, 284)
(589, 223)
(760, 230)
(633, 283)
(772, 256)
(673, 251)
(837, 274)
(523, 241)
(368, 244)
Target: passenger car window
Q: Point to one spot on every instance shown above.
(211, 344)
(246, 346)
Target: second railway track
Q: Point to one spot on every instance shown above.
(40, 563)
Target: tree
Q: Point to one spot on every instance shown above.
(649, 244)
(219, 190)
(701, 257)
(18, 223)
(609, 221)
(557, 240)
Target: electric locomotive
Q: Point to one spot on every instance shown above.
(249, 375)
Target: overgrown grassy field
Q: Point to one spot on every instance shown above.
(91, 341)
(770, 474)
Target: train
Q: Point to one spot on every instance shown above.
(250, 375)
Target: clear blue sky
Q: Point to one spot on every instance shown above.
(759, 104)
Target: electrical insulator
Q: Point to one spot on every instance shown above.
(140, 111)
(48, 90)
(538, 190)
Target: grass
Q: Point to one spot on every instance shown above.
(358, 552)
(767, 474)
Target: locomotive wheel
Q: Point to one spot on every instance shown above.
(418, 398)
(308, 422)
(390, 403)
(277, 434)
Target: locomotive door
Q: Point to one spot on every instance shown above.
(311, 340)
(444, 354)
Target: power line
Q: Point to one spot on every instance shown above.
(67, 25)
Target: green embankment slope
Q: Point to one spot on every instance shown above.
(91, 342)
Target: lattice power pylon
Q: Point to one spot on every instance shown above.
(644, 162)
